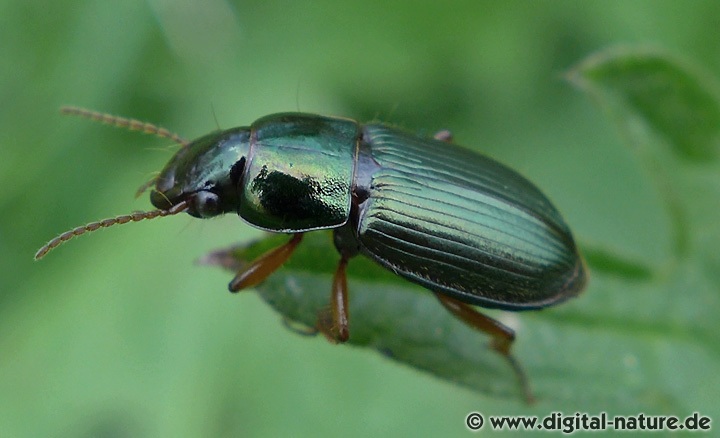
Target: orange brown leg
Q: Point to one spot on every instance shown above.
(334, 322)
(502, 336)
(266, 264)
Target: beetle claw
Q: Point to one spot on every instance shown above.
(502, 336)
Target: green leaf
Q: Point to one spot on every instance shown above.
(670, 97)
(669, 113)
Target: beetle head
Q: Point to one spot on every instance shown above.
(205, 174)
(201, 179)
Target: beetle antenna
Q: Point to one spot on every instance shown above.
(105, 223)
(122, 122)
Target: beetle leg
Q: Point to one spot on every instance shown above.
(444, 135)
(502, 336)
(339, 302)
(265, 265)
(334, 322)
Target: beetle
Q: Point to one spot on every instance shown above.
(469, 229)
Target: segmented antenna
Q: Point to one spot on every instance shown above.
(105, 223)
(131, 124)
(122, 122)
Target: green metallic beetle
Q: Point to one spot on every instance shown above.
(468, 228)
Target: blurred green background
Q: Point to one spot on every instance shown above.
(120, 334)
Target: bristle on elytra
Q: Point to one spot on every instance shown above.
(105, 223)
(122, 122)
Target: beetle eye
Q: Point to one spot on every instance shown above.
(205, 204)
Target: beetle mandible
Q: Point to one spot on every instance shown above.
(471, 230)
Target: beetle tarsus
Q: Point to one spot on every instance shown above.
(334, 321)
(522, 378)
(502, 336)
(339, 302)
(325, 326)
(265, 265)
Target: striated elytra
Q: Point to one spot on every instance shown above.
(437, 214)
